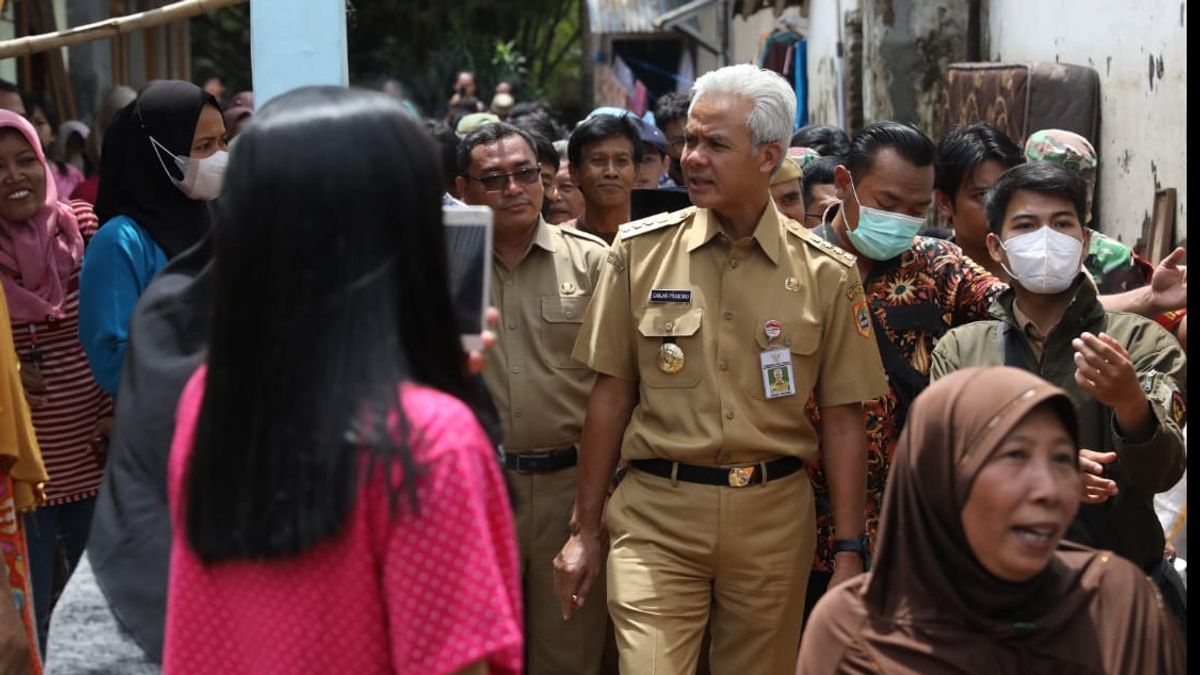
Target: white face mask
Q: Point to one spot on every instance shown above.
(202, 178)
(1045, 261)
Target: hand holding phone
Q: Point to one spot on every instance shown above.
(469, 249)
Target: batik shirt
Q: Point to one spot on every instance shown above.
(914, 299)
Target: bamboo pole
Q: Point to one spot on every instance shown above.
(111, 28)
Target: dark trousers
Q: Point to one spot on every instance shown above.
(45, 528)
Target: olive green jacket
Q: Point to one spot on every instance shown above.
(1126, 523)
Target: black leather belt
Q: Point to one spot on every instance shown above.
(740, 476)
(542, 462)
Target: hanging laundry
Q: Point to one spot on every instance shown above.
(639, 101)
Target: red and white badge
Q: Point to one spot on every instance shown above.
(772, 329)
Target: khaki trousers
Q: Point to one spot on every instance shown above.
(542, 505)
(685, 555)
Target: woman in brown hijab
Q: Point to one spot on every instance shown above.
(971, 575)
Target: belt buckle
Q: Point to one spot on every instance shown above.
(740, 476)
(532, 463)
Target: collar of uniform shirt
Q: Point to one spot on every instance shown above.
(767, 233)
(543, 238)
(1030, 326)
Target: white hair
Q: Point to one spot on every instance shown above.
(774, 110)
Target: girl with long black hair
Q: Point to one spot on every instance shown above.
(336, 505)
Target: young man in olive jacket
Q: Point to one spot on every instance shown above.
(1126, 373)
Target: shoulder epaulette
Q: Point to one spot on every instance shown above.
(587, 236)
(657, 222)
(837, 253)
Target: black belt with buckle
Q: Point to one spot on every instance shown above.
(542, 462)
(740, 476)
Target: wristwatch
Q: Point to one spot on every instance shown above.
(857, 545)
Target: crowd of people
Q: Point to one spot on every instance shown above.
(754, 399)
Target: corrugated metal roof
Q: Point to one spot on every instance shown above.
(628, 16)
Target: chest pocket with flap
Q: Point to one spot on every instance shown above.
(561, 320)
(682, 324)
(802, 338)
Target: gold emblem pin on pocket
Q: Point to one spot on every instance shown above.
(670, 358)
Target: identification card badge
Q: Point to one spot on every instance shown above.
(777, 375)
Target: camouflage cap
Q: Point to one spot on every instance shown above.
(789, 169)
(1064, 148)
(803, 155)
(470, 123)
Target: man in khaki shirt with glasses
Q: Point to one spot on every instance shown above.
(542, 279)
(694, 313)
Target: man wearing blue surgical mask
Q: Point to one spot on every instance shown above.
(917, 288)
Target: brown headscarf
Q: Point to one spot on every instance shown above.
(929, 606)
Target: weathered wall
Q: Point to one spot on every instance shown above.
(823, 22)
(706, 60)
(1140, 52)
(908, 45)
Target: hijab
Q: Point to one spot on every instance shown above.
(929, 606)
(44, 251)
(133, 175)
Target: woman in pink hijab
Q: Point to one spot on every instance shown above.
(41, 250)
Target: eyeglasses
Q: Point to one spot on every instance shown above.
(498, 181)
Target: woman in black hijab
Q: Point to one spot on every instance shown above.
(163, 159)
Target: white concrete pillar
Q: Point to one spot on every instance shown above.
(297, 44)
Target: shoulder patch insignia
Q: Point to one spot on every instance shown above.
(855, 291)
(657, 222)
(862, 318)
(1178, 409)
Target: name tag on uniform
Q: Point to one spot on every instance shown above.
(679, 295)
(777, 375)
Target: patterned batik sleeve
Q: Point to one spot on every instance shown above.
(974, 289)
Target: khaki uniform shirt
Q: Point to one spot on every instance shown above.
(715, 410)
(539, 390)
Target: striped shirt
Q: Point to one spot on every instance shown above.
(75, 404)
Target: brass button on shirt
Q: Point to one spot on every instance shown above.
(714, 410)
(540, 391)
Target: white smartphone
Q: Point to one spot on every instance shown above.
(469, 250)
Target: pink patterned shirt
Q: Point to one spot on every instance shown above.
(421, 594)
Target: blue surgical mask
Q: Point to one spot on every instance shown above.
(881, 235)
